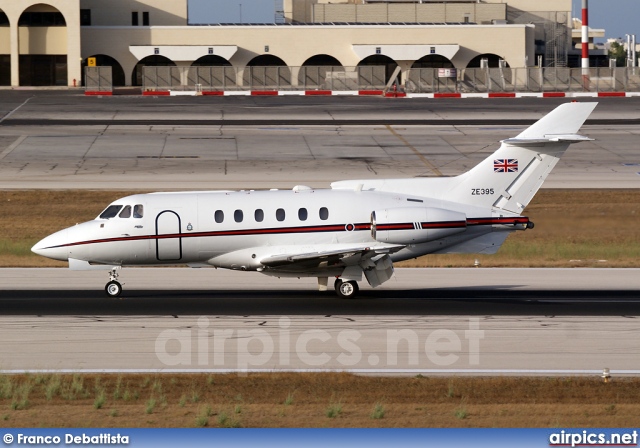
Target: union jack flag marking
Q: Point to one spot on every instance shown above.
(505, 165)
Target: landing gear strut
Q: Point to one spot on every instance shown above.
(346, 290)
(113, 288)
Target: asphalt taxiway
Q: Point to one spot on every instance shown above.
(58, 140)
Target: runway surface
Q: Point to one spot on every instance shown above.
(481, 321)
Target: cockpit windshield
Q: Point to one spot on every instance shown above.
(126, 212)
(110, 212)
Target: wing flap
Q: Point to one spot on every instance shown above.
(345, 252)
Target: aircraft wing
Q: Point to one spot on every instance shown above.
(351, 254)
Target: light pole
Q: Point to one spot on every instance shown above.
(585, 45)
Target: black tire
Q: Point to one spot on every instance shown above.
(347, 290)
(113, 289)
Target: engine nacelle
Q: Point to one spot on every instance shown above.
(414, 225)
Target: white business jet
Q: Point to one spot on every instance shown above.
(355, 229)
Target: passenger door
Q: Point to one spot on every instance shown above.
(168, 237)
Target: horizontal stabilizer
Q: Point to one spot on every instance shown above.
(550, 138)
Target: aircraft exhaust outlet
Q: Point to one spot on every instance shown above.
(413, 225)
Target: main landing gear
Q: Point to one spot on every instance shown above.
(113, 288)
(346, 289)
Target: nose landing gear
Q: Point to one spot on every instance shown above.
(113, 288)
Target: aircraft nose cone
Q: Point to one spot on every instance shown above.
(53, 246)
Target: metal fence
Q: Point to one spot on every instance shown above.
(421, 80)
(483, 80)
(264, 78)
(98, 79)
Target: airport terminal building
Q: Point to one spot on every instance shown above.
(47, 43)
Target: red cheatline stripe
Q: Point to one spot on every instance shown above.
(604, 94)
(213, 93)
(244, 232)
(399, 226)
(91, 92)
(447, 95)
(443, 225)
(553, 95)
(491, 221)
(308, 229)
(318, 92)
(502, 95)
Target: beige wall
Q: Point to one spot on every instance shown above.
(410, 12)
(118, 12)
(536, 5)
(66, 40)
(5, 45)
(43, 40)
(299, 10)
(511, 42)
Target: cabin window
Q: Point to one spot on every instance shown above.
(259, 215)
(280, 214)
(110, 212)
(138, 211)
(126, 212)
(219, 216)
(302, 214)
(324, 213)
(238, 215)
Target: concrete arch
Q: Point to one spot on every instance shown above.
(43, 48)
(493, 60)
(266, 71)
(433, 61)
(42, 14)
(315, 70)
(63, 41)
(213, 71)
(493, 77)
(266, 60)
(211, 60)
(380, 59)
(5, 49)
(322, 60)
(103, 60)
(154, 60)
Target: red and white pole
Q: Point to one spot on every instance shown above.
(585, 43)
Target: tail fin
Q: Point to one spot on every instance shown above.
(511, 176)
(507, 179)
